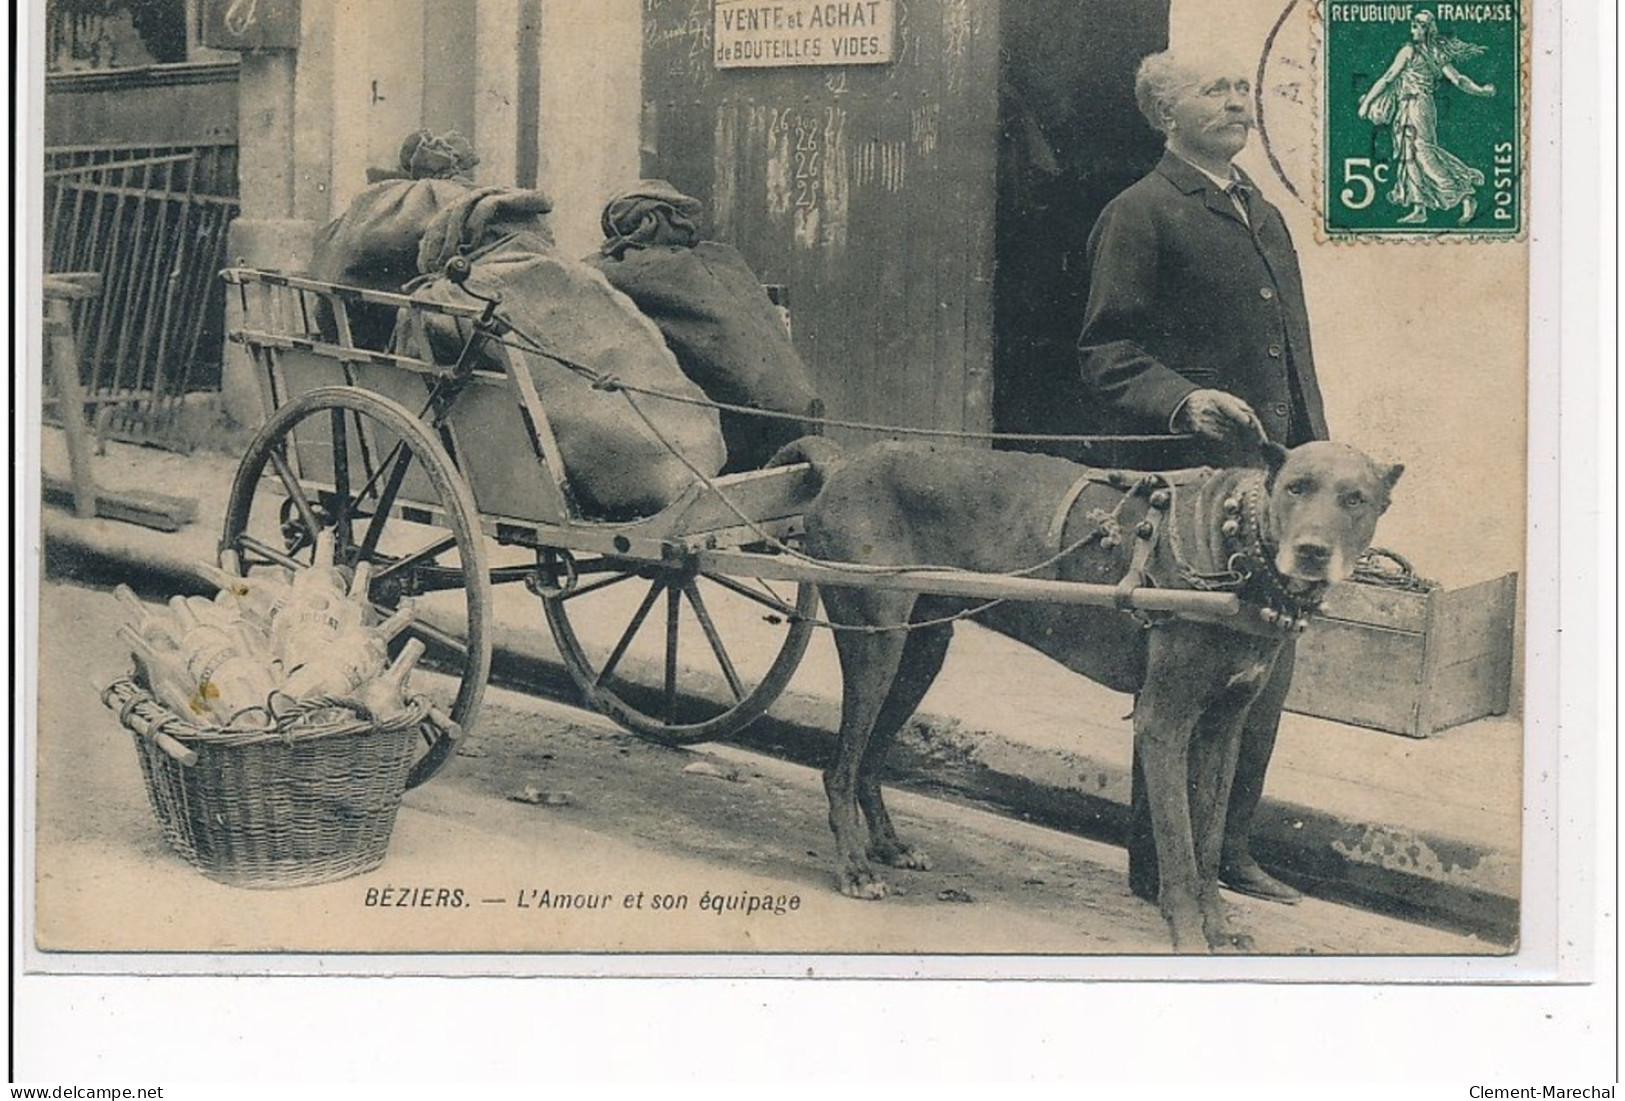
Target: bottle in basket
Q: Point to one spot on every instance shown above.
(164, 670)
(385, 694)
(226, 674)
(226, 612)
(139, 615)
(361, 584)
(357, 655)
(314, 613)
(255, 596)
(154, 642)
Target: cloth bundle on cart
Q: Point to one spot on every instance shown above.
(714, 313)
(375, 242)
(620, 462)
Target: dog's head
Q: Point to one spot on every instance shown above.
(1324, 500)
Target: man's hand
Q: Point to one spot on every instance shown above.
(1219, 416)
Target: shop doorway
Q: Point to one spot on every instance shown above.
(1071, 138)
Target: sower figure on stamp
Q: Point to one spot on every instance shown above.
(1196, 323)
(1426, 175)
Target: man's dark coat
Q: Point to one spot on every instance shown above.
(1184, 295)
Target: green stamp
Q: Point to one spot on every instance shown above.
(1422, 119)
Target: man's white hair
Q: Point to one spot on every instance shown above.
(1157, 83)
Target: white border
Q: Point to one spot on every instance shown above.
(88, 1027)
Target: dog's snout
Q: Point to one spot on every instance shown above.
(1311, 561)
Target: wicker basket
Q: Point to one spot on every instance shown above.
(309, 801)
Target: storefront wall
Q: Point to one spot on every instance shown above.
(547, 90)
(556, 94)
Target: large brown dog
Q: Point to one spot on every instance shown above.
(1276, 535)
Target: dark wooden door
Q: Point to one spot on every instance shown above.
(868, 190)
(1071, 138)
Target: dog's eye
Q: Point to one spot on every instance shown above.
(1299, 487)
(1354, 499)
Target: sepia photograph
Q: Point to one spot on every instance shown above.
(1040, 487)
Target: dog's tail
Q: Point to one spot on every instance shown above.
(824, 455)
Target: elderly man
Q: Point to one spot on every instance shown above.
(1196, 324)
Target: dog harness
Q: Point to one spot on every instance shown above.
(1173, 533)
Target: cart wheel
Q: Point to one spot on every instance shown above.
(635, 676)
(362, 465)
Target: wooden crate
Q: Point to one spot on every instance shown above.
(1408, 662)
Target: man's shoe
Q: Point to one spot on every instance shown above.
(1250, 879)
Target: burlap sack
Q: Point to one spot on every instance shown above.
(374, 244)
(727, 335)
(617, 467)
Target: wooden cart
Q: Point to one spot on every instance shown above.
(447, 479)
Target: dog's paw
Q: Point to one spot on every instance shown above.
(862, 883)
(1231, 943)
(901, 856)
(1225, 937)
(1189, 937)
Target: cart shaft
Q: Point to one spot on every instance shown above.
(976, 586)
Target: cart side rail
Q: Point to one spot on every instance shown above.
(493, 423)
(248, 277)
(489, 417)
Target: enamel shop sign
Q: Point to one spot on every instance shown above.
(750, 34)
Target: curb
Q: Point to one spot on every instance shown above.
(1430, 878)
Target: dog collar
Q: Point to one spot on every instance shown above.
(1252, 558)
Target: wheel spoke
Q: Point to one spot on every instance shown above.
(386, 500)
(375, 472)
(296, 492)
(604, 583)
(365, 448)
(246, 542)
(748, 593)
(631, 630)
(341, 480)
(692, 591)
(417, 557)
(375, 444)
(674, 606)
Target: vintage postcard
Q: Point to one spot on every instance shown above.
(696, 486)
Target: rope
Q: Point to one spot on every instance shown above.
(600, 381)
(611, 384)
(888, 571)
(1368, 571)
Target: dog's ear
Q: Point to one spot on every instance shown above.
(1390, 477)
(1274, 456)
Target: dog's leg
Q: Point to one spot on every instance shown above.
(922, 658)
(869, 662)
(1214, 749)
(1258, 733)
(1165, 720)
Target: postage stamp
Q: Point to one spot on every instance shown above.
(1422, 114)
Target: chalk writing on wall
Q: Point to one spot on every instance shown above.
(250, 24)
(807, 172)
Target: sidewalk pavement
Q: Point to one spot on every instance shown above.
(1428, 829)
